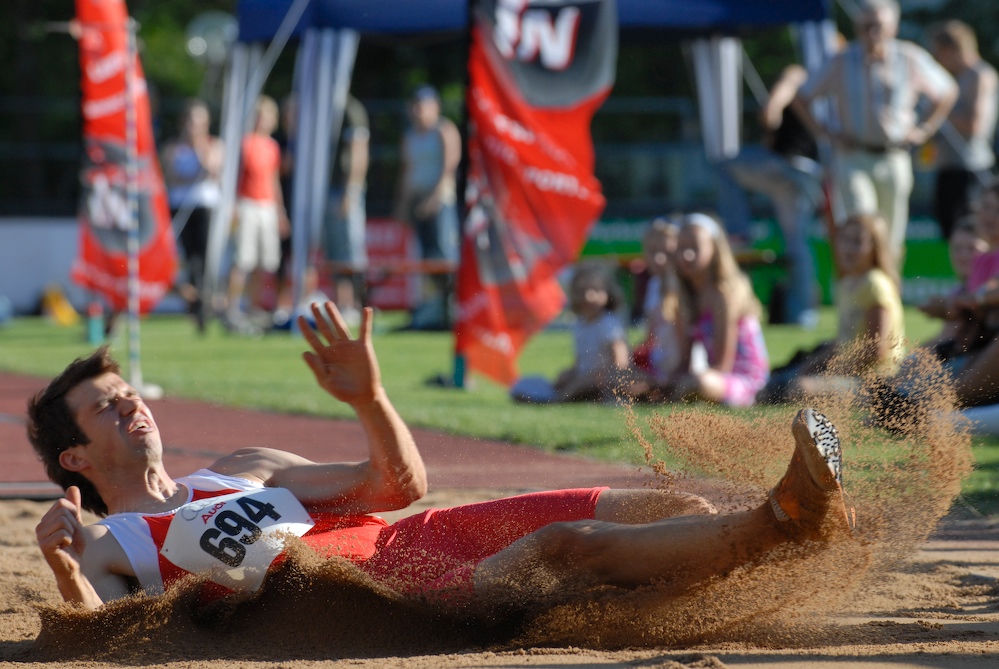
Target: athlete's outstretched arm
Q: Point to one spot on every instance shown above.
(392, 477)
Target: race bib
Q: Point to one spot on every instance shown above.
(235, 537)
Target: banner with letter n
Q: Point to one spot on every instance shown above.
(538, 70)
(103, 31)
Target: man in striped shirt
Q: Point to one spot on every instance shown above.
(874, 87)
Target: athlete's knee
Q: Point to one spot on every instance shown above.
(578, 545)
(688, 504)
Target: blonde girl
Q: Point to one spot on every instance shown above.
(724, 317)
(868, 300)
(869, 305)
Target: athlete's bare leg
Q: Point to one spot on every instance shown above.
(681, 551)
(637, 506)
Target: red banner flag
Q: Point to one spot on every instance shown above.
(538, 72)
(105, 212)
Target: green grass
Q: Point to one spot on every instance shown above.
(267, 373)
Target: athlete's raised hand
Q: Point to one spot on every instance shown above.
(346, 368)
(60, 535)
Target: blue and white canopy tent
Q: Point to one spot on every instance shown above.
(328, 32)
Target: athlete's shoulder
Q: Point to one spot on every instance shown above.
(257, 463)
(104, 556)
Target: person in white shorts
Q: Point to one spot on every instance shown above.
(260, 211)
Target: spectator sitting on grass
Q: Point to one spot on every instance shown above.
(975, 368)
(960, 331)
(601, 344)
(870, 315)
(724, 318)
(658, 360)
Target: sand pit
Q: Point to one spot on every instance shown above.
(889, 596)
(940, 608)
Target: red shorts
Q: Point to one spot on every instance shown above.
(434, 553)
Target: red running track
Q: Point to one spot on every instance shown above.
(196, 433)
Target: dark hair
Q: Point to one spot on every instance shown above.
(966, 224)
(594, 270)
(425, 92)
(52, 428)
(194, 103)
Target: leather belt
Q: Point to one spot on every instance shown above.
(879, 149)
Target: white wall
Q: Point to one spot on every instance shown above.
(35, 252)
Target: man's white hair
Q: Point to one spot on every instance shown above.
(874, 5)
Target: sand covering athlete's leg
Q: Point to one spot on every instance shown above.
(676, 553)
(812, 487)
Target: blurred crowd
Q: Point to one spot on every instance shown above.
(260, 291)
(838, 148)
(851, 169)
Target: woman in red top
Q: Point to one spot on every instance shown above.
(260, 210)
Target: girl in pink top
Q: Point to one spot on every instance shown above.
(261, 216)
(983, 281)
(970, 313)
(976, 382)
(959, 331)
(725, 319)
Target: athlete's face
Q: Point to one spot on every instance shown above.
(117, 422)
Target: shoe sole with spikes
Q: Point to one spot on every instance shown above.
(817, 447)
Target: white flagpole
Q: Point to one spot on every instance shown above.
(149, 391)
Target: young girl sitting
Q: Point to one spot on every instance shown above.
(659, 357)
(870, 314)
(974, 358)
(960, 328)
(976, 381)
(601, 343)
(724, 317)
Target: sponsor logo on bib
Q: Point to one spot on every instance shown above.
(235, 538)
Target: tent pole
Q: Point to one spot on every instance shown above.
(459, 371)
(317, 169)
(232, 129)
(243, 86)
(305, 94)
(149, 391)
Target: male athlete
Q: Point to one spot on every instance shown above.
(229, 522)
